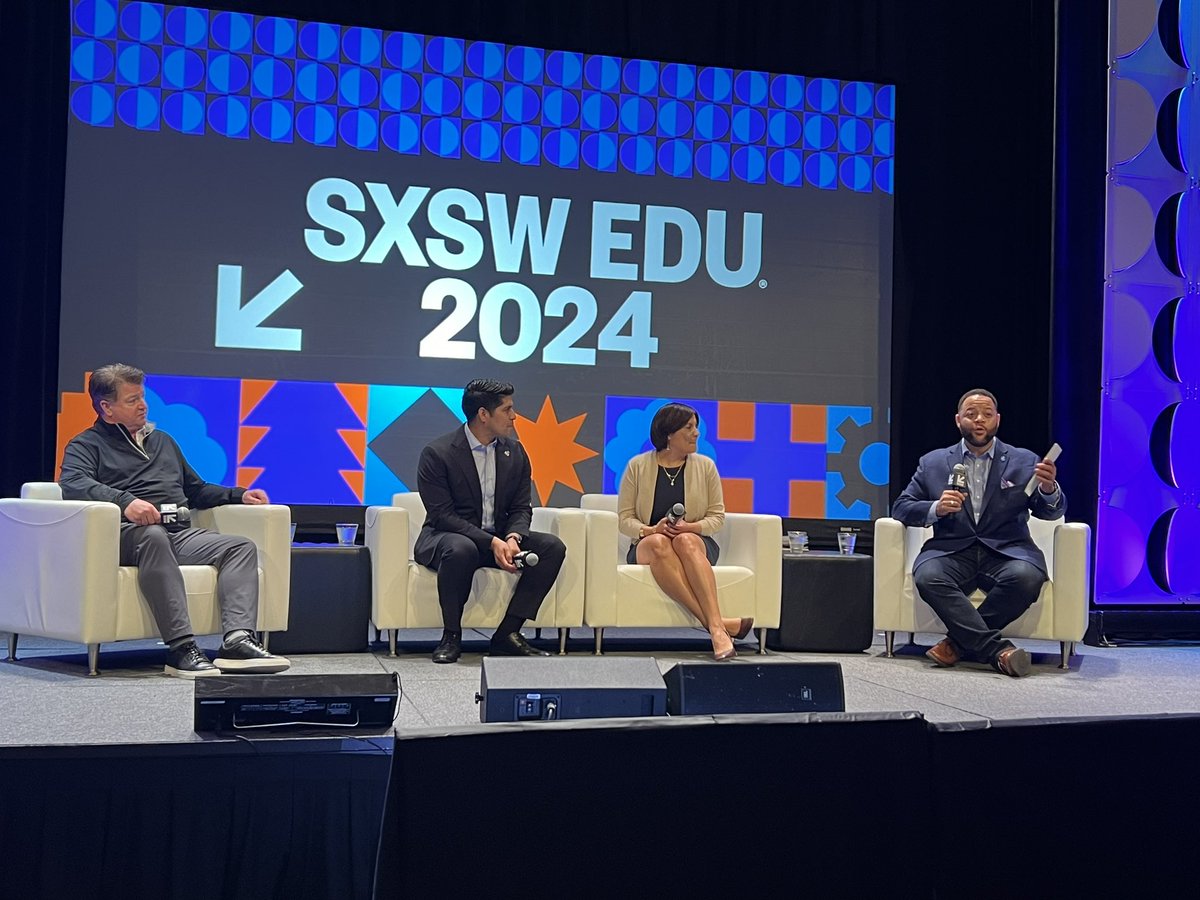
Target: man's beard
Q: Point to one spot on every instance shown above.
(969, 436)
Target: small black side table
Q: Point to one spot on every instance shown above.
(330, 608)
(827, 603)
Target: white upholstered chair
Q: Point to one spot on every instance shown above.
(61, 577)
(1059, 614)
(749, 575)
(404, 592)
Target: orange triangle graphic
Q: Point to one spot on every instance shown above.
(356, 397)
(248, 438)
(357, 442)
(247, 476)
(253, 390)
(355, 480)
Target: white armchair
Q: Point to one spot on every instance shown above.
(404, 593)
(749, 575)
(1059, 614)
(62, 579)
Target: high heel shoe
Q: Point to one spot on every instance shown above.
(744, 628)
(720, 655)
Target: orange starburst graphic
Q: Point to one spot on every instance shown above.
(552, 450)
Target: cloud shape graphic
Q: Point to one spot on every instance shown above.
(632, 435)
(190, 430)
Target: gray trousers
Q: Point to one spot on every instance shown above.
(158, 554)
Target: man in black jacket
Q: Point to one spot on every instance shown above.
(475, 484)
(121, 459)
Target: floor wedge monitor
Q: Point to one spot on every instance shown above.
(251, 702)
(515, 689)
(696, 689)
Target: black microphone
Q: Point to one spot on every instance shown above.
(675, 514)
(172, 514)
(958, 479)
(525, 558)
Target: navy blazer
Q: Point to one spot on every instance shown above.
(1004, 525)
(449, 486)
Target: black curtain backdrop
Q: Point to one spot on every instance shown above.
(998, 268)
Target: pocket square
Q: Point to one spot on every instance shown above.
(1005, 484)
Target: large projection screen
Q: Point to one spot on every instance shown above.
(312, 236)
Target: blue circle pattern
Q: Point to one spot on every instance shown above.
(183, 111)
(183, 69)
(276, 37)
(485, 59)
(91, 60)
(187, 26)
(277, 79)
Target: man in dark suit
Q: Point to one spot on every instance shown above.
(475, 483)
(980, 536)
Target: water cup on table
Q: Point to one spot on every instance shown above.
(846, 541)
(346, 533)
(798, 541)
(293, 538)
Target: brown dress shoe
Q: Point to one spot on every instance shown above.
(943, 653)
(744, 628)
(1013, 662)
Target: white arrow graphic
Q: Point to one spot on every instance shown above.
(241, 326)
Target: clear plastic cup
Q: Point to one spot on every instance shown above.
(846, 542)
(346, 533)
(293, 532)
(798, 541)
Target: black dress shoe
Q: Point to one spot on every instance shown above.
(450, 648)
(513, 644)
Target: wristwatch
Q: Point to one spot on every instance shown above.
(515, 537)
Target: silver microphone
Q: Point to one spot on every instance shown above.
(525, 558)
(675, 514)
(174, 515)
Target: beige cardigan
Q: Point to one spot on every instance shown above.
(703, 500)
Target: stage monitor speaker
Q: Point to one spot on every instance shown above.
(697, 689)
(253, 702)
(521, 689)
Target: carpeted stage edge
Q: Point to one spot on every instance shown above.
(836, 804)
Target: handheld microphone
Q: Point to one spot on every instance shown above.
(1051, 455)
(958, 479)
(525, 558)
(675, 514)
(174, 515)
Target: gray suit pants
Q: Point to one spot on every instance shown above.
(158, 554)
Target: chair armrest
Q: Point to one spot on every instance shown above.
(1071, 579)
(600, 606)
(753, 541)
(890, 569)
(41, 490)
(59, 560)
(269, 527)
(387, 539)
(570, 527)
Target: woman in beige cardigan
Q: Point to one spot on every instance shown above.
(680, 554)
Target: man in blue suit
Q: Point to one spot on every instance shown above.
(980, 536)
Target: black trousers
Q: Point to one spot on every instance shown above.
(456, 557)
(1011, 585)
